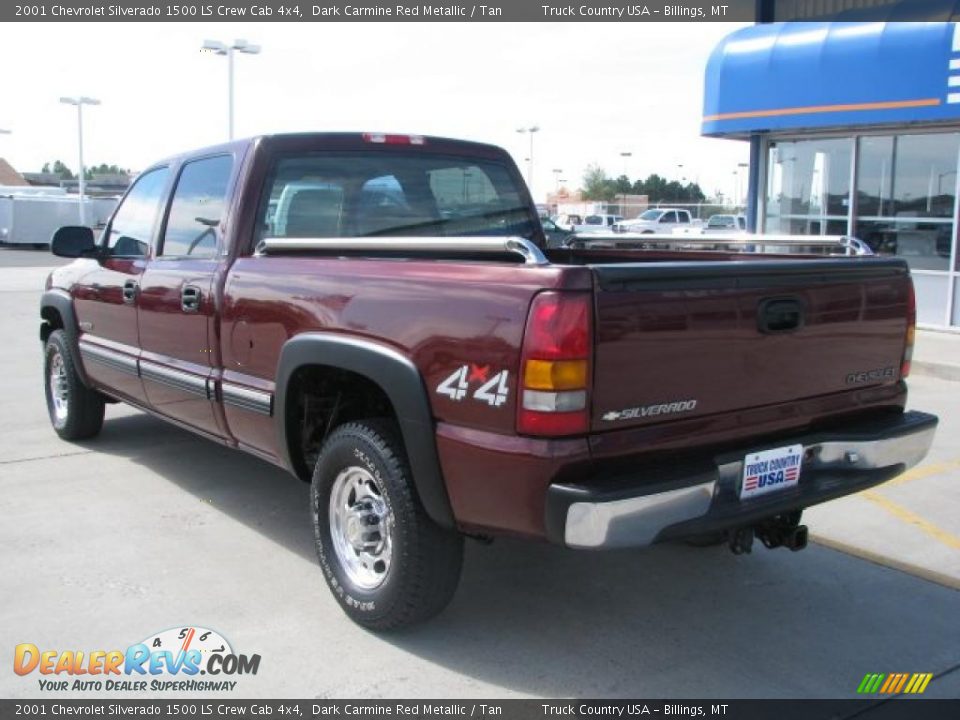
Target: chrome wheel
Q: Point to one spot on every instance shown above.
(59, 388)
(361, 527)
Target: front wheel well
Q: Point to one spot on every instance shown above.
(52, 320)
(320, 398)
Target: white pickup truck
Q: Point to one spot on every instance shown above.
(656, 220)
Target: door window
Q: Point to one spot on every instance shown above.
(197, 208)
(132, 227)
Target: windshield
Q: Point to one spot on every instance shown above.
(720, 221)
(651, 215)
(329, 195)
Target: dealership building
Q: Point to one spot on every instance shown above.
(854, 129)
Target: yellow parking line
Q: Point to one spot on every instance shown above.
(900, 512)
(924, 471)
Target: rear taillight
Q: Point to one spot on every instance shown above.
(389, 139)
(555, 366)
(911, 330)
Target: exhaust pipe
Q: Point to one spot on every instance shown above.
(796, 539)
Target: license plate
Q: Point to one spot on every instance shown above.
(771, 471)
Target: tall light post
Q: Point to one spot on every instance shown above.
(742, 167)
(530, 130)
(557, 172)
(626, 155)
(79, 102)
(219, 48)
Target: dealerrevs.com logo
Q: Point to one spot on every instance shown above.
(173, 660)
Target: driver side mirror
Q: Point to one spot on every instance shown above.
(73, 241)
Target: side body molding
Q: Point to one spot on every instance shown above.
(399, 379)
(61, 301)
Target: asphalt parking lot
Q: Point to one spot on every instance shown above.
(148, 527)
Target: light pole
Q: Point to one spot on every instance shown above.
(219, 48)
(79, 102)
(530, 130)
(742, 167)
(626, 155)
(557, 172)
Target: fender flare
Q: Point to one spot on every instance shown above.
(400, 381)
(61, 301)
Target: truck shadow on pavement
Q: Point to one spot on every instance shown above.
(671, 621)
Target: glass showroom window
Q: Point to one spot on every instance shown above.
(808, 186)
(906, 187)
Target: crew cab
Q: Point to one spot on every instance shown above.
(379, 315)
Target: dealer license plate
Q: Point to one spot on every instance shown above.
(771, 471)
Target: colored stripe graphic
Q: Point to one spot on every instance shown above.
(849, 107)
(894, 683)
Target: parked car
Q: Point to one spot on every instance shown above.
(656, 220)
(569, 221)
(477, 388)
(597, 223)
(726, 223)
(556, 236)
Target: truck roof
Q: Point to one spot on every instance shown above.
(307, 141)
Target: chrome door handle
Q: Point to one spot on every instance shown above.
(130, 288)
(190, 298)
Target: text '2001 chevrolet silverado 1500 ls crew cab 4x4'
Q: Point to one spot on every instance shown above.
(378, 314)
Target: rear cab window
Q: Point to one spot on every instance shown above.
(369, 194)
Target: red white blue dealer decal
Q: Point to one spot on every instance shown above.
(771, 470)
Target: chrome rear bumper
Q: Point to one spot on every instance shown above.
(632, 511)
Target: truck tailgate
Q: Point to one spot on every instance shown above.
(686, 339)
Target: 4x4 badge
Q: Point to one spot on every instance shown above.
(493, 391)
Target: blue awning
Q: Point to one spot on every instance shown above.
(805, 75)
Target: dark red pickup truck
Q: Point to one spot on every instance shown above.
(379, 315)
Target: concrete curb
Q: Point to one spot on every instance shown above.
(877, 559)
(943, 371)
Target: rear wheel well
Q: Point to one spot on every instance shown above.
(320, 398)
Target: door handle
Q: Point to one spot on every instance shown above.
(130, 289)
(190, 298)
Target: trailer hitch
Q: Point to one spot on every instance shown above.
(783, 531)
(777, 531)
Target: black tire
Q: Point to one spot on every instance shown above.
(77, 413)
(424, 560)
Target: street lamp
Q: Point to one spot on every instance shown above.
(557, 172)
(530, 130)
(219, 48)
(79, 102)
(626, 155)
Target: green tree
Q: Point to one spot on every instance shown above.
(597, 185)
(61, 170)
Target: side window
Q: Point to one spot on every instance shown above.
(132, 227)
(682, 217)
(197, 208)
(669, 217)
